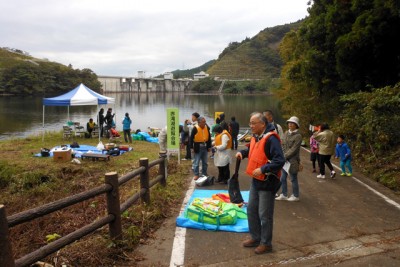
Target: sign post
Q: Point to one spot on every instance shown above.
(173, 131)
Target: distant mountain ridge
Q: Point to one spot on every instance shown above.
(253, 58)
(188, 73)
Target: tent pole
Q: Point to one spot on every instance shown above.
(43, 126)
(115, 112)
(68, 114)
(98, 121)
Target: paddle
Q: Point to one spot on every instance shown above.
(233, 186)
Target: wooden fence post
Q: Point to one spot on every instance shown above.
(113, 206)
(6, 255)
(144, 180)
(163, 169)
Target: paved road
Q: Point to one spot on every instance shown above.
(345, 222)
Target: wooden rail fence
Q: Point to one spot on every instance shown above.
(113, 219)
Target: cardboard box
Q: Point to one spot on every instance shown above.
(61, 155)
(109, 145)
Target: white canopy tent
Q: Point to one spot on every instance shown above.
(80, 96)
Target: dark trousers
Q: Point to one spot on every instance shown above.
(127, 136)
(315, 158)
(234, 142)
(260, 215)
(325, 159)
(188, 152)
(101, 127)
(223, 173)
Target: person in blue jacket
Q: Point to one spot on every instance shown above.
(127, 128)
(343, 152)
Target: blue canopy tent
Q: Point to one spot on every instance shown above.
(80, 96)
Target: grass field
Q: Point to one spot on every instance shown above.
(27, 182)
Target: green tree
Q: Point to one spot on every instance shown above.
(205, 85)
(342, 47)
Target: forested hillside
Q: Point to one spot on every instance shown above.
(342, 66)
(188, 73)
(255, 58)
(21, 74)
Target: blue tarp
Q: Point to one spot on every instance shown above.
(241, 225)
(80, 150)
(148, 138)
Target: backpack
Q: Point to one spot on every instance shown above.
(74, 145)
(205, 210)
(45, 152)
(114, 151)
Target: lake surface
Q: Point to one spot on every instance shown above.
(23, 116)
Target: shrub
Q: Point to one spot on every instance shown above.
(372, 118)
(7, 173)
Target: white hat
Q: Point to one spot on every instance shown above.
(295, 120)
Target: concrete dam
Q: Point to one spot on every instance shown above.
(114, 84)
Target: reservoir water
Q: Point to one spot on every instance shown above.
(23, 116)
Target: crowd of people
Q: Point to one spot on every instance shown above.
(273, 156)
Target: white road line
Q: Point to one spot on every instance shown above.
(178, 248)
(388, 200)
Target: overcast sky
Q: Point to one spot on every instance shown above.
(121, 37)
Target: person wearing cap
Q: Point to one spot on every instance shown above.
(291, 143)
(126, 127)
(327, 145)
(343, 152)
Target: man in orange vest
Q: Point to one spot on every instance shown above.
(265, 161)
(200, 141)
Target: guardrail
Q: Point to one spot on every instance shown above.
(113, 219)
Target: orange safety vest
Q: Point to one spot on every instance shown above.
(257, 157)
(218, 139)
(202, 135)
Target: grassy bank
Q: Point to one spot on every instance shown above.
(27, 182)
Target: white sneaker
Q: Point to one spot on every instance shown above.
(282, 197)
(333, 173)
(293, 198)
(321, 176)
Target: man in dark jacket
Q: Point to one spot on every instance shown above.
(222, 122)
(234, 131)
(265, 162)
(109, 121)
(101, 121)
(200, 141)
